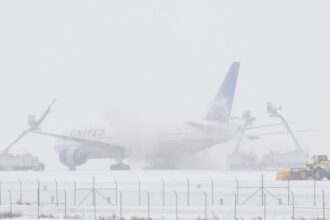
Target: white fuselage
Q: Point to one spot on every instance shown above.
(183, 142)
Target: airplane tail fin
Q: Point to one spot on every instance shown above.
(222, 104)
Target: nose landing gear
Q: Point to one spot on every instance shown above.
(120, 166)
(72, 168)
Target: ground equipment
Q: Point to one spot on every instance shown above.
(9, 161)
(318, 169)
(273, 159)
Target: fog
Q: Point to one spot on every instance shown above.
(142, 66)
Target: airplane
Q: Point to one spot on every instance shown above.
(75, 148)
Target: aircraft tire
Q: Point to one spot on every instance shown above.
(72, 168)
(120, 166)
(318, 174)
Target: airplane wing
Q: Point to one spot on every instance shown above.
(99, 143)
(208, 128)
(257, 136)
(116, 148)
(264, 126)
(202, 127)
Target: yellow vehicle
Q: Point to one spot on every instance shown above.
(318, 169)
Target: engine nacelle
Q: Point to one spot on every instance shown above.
(72, 156)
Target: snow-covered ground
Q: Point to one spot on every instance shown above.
(161, 194)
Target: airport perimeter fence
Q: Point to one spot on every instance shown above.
(165, 199)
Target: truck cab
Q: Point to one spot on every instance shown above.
(317, 159)
(319, 167)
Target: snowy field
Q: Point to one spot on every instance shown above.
(161, 195)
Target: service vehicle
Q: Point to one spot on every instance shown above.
(9, 162)
(317, 169)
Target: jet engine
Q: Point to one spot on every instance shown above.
(72, 156)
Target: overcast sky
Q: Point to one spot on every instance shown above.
(160, 61)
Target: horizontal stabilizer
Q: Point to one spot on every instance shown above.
(202, 127)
